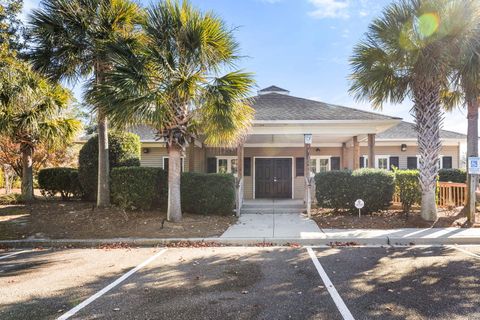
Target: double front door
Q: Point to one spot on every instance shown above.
(273, 178)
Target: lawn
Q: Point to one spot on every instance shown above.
(81, 220)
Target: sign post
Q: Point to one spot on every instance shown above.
(359, 204)
(473, 172)
(308, 180)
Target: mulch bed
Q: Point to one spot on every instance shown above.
(81, 220)
(389, 219)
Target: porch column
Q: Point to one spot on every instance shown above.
(239, 180)
(191, 155)
(371, 150)
(308, 179)
(344, 156)
(356, 153)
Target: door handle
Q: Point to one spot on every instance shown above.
(274, 179)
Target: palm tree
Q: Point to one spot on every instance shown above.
(72, 40)
(31, 113)
(170, 80)
(407, 53)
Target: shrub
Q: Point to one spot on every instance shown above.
(208, 193)
(12, 198)
(340, 189)
(124, 151)
(407, 187)
(333, 189)
(60, 180)
(452, 175)
(138, 187)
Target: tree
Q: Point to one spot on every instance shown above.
(11, 27)
(407, 53)
(73, 40)
(170, 80)
(31, 113)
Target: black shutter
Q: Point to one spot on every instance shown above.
(394, 162)
(300, 167)
(247, 167)
(447, 162)
(211, 165)
(362, 162)
(335, 165)
(412, 163)
(165, 164)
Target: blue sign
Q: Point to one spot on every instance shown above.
(473, 165)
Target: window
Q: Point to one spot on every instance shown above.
(446, 162)
(227, 164)
(299, 167)
(382, 163)
(412, 163)
(247, 167)
(165, 164)
(319, 164)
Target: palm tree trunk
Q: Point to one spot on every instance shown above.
(174, 211)
(103, 192)
(27, 172)
(428, 119)
(472, 142)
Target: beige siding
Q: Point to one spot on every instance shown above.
(154, 158)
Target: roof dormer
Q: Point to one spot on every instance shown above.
(273, 89)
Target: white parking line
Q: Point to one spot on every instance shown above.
(112, 285)
(14, 254)
(466, 252)
(346, 314)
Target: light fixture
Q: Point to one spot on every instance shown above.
(403, 147)
(317, 150)
(146, 150)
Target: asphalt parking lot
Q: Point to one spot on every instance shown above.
(241, 283)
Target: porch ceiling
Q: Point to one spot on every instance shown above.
(296, 139)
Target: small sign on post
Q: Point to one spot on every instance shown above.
(474, 165)
(359, 204)
(473, 172)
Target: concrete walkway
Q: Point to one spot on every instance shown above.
(268, 218)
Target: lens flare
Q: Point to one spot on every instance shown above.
(427, 24)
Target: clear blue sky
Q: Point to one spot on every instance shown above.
(303, 46)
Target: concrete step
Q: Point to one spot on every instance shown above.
(263, 206)
(271, 210)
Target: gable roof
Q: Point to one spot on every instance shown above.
(274, 106)
(406, 130)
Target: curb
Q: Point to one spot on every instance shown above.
(243, 242)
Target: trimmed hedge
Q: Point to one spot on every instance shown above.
(452, 175)
(60, 180)
(124, 151)
(145, 188)
(339, 189)
(408, 188)
(208, 193)
(138, 187)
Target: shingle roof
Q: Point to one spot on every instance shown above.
(406, 130)
(273, 89)
(274, 106)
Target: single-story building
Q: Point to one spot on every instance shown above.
(274, 151)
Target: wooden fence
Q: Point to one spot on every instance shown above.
(449, 194)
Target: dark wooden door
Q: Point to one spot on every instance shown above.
(273, 178)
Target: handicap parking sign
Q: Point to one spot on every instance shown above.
(473, 165)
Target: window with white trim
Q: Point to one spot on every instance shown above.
(446, 162)
(165, 164)
(382, 162)
(320, 164)
(227, 164)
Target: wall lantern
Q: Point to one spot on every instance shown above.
(403, 147)
(308, 138)
(146, 150)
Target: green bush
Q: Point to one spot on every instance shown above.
(124, 151)
(407, 187)
(208, 193)
(2, 179)
(452, 175)
(144, 188)
(60, 180)
(333, 189)
(340, 189)
(138, 187)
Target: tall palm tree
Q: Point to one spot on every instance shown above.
(72, 41)
(31, 113)
(407, 54)
(170, 80)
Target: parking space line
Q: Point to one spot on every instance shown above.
(346, 314)
(112, 285)
(14, 254)
(466, 252)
